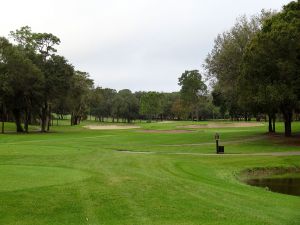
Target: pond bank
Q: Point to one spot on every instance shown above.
(280, 180)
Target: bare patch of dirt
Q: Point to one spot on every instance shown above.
(223, 125)
(264, 172)
(280, 139)
(110, 127)
(166, 131)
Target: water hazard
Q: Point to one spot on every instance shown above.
(290, 186)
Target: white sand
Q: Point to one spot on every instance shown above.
(224, 125)
(110, 127)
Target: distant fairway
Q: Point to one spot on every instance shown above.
(147, 175)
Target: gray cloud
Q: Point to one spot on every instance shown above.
(136, 44)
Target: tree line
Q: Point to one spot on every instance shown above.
(192, 102)
(37, 84)
(34, 80)
(255, 67)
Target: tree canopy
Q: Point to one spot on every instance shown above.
(193, 89)
(271, 65)
(253, 69)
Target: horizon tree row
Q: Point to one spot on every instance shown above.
(127, 106)
(36, 85)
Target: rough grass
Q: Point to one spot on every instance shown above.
(76, 176)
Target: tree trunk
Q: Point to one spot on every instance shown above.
(17, 115)
(274, 120)
(44, 117)
(287, 123)
(49, 118)
(246, 117)
(270, 123)
(3, 119)
(258, 118)
(75, 120)
(26, 120)
(2, 128)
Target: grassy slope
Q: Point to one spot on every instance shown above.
(112, 187)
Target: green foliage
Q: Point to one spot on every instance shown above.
(129, 105)
(271, 65)
(56, 72)
(22, 82)
(193, 90)
(78, 95)
(223, 64)
(255, 66)
(42, 43)
(37, 82)
(151, 104)
(102, 102)
(192, 86)
(179, 110)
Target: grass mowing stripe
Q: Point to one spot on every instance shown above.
(295, 153)
(60, 139)
(145, 189)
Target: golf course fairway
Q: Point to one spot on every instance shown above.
(153, 173)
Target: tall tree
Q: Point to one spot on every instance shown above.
(81, 86)
(193, 89)
(223, 64)
(179, 110)
(40, 48)
(22, 83)
(96, 103)
(58, 75)
(272, 62)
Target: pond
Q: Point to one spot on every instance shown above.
(290, 186)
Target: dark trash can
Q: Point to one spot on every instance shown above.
(221, 150)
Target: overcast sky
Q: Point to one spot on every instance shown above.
(135, 44)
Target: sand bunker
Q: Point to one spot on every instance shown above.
(165, 131)
(165, 122)
(223, 125)
(110, 127)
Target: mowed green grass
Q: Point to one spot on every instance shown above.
(74, 175)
